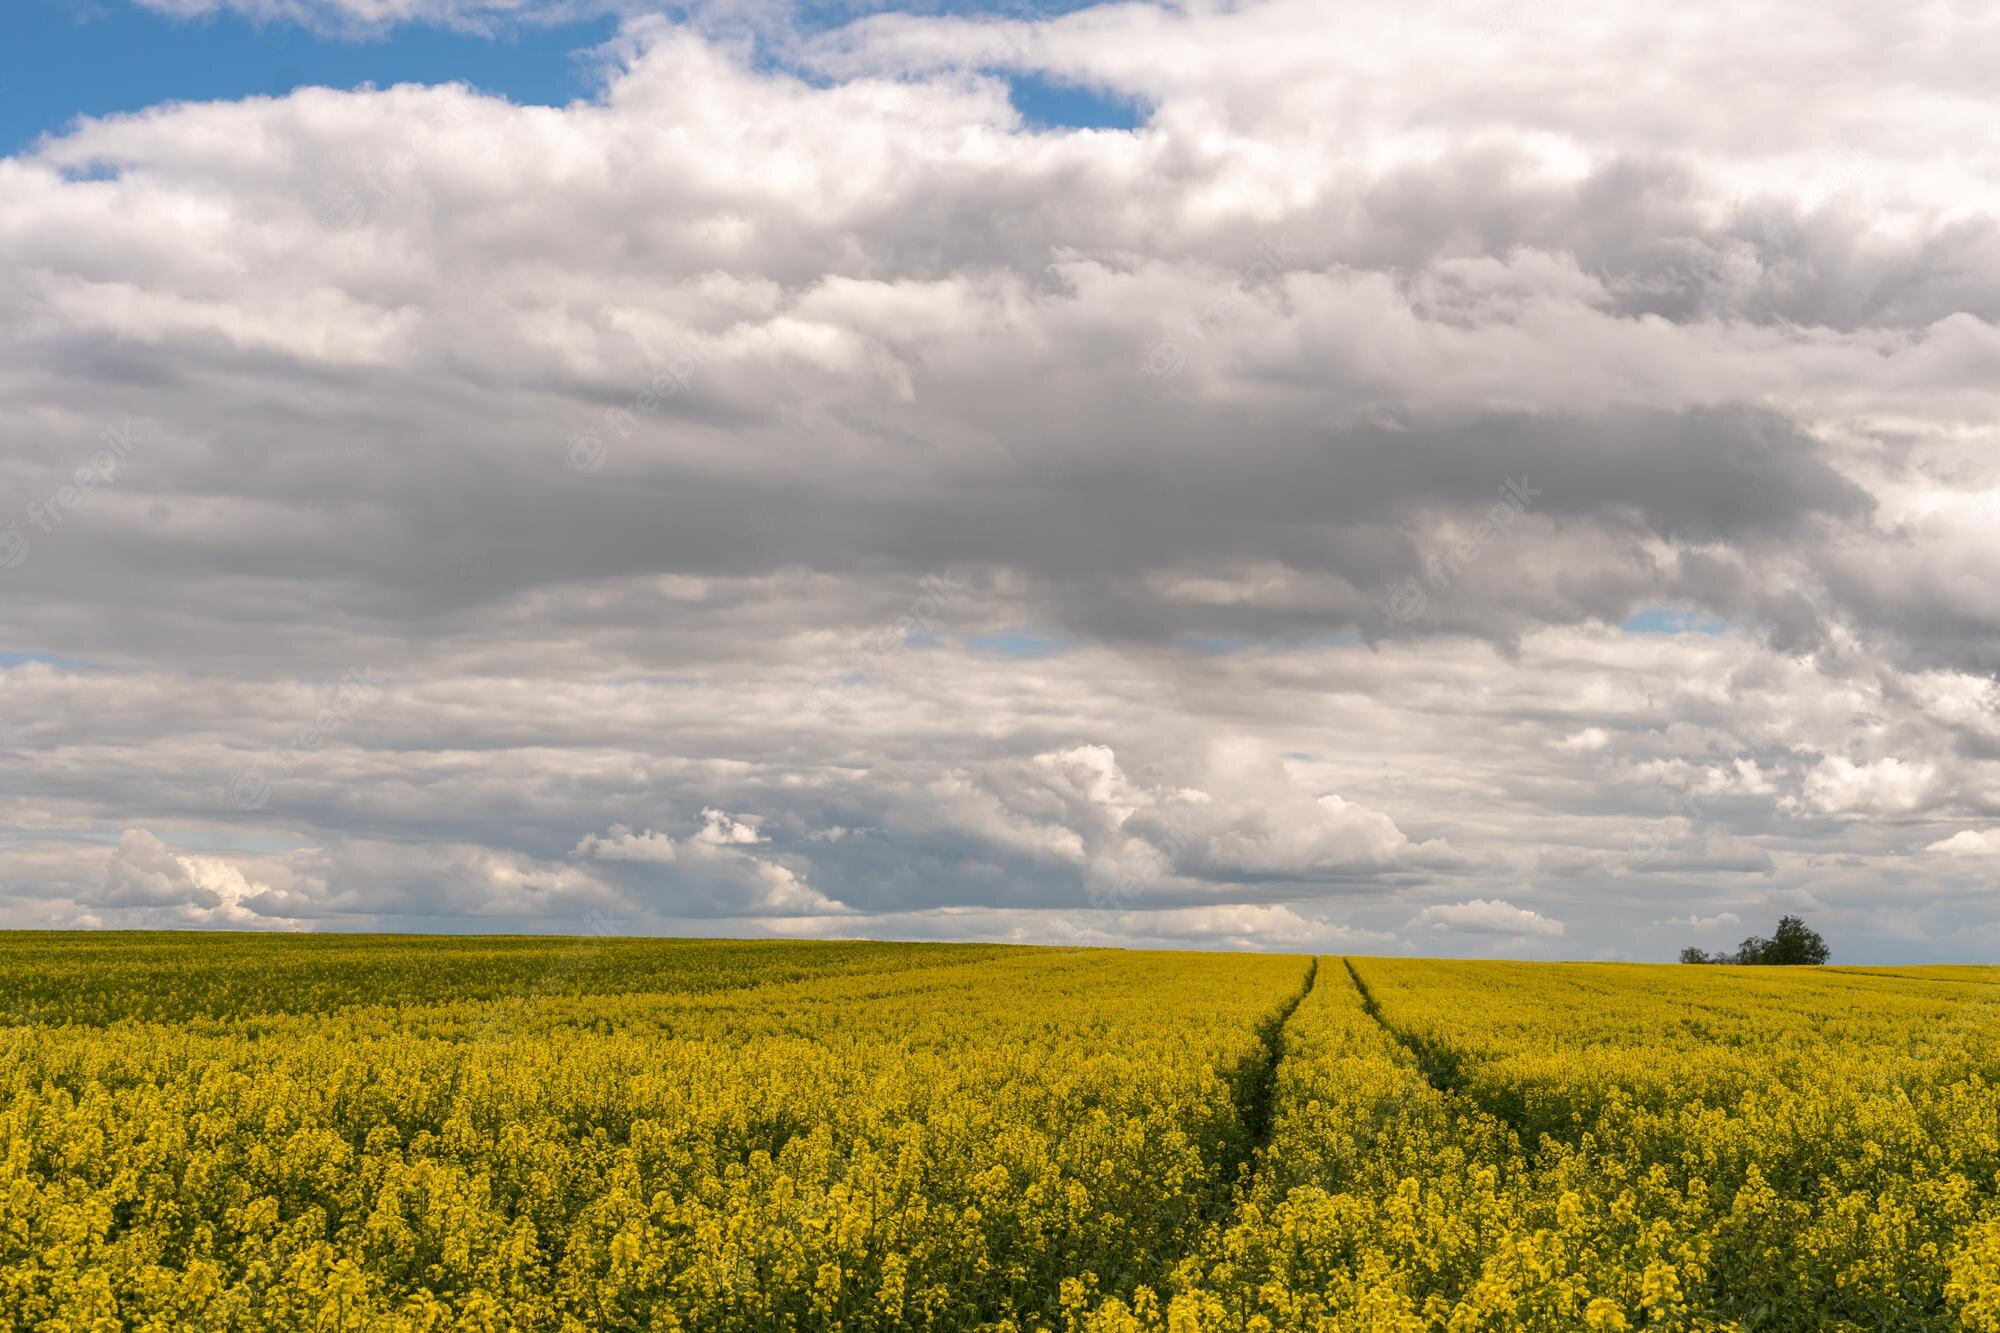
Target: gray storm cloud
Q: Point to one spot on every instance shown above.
(1222, 530)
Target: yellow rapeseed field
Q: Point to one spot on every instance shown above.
(400, 1133)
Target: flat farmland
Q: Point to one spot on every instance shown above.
(228, 1132)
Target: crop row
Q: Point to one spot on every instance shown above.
(1506, 1146)
(955, 1145)
(651, 1135)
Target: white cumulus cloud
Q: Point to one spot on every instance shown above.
(1486, 916)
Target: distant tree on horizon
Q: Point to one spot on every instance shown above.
(1792, 944)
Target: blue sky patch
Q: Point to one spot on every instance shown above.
(195, 840)
(1046, 104)
(1221, 645)
(1211, 645)
(11, 658)
(1667, 620)
(59, 61)
(1020, 641)
(231, 840)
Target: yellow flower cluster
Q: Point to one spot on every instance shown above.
(613, 1134)
(1466, 1145)
(220, 1133)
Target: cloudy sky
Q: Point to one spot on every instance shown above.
(1451, 478)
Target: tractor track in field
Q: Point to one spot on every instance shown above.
(1254, 1085)
(1442, 1073)
(1256, 1098)
(1443, 1070)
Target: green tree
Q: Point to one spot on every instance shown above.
(1752, 952)
(1794, 944)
